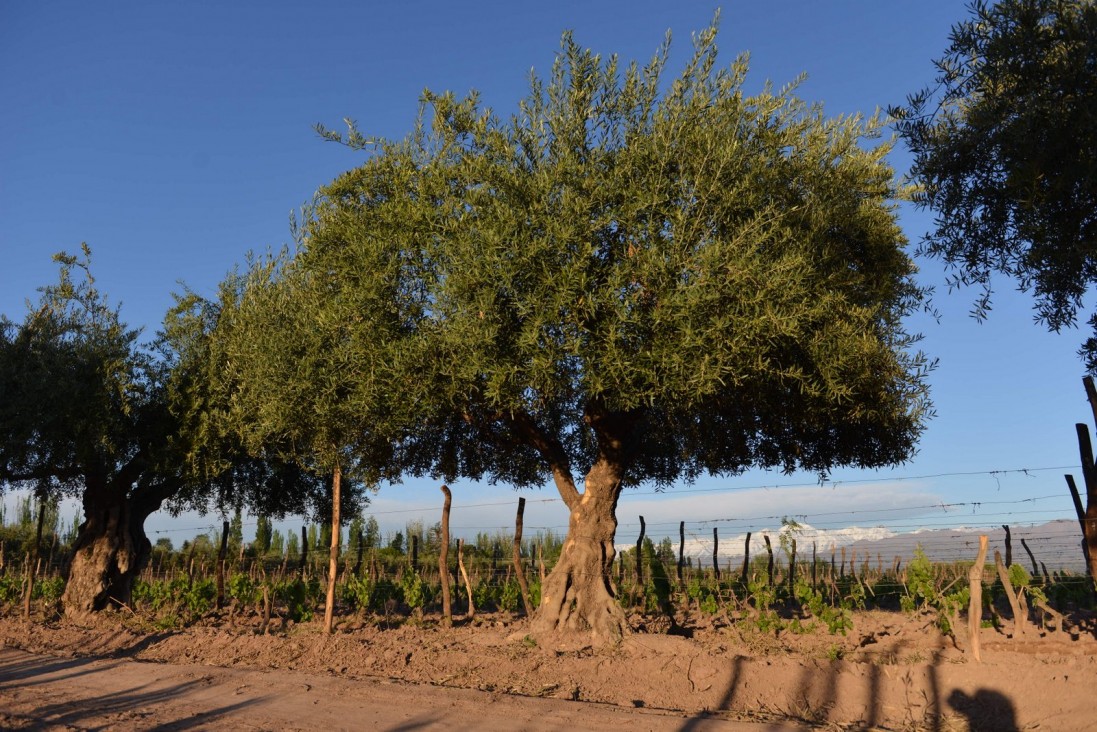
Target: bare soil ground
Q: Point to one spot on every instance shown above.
(892, 671)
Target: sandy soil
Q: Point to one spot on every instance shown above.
(892, 671)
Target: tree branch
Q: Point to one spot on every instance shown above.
(551, 450)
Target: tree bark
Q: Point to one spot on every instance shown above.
(579, 595)
(110, 550)
(32, 562)
(333, 556)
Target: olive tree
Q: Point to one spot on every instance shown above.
(82, 415)
(1005, 154)
(88, 411)
(288, 366)
(630, 279)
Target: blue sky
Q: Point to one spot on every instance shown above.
(175, 137)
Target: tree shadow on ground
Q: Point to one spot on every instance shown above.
(30, 671)
(102, 710)
(986, 710)
(815, 696)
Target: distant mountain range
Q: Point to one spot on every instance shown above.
(1057, 544)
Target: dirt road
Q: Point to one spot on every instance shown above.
(44, 692)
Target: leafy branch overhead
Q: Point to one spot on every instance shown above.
(693, 262)
(1005, 154)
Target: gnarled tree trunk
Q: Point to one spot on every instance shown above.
(579, 594)
(111, 549)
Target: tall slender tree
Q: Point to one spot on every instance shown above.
(299, 373)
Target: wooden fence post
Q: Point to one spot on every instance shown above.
(221, 564)
(518, 569)
(746, 559)
(814, 568)
(541, 561)
(32, 561)
(975, 603)
(304, 549)
(1031, 558)
(443, 558)
(465, 575)
(792, 571)
(1016, 604)
(681, 550)
(769, 550)
(716, 553)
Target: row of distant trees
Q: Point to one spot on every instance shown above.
(19, 527)
(631, 279)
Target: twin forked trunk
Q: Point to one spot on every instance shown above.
(579, 594)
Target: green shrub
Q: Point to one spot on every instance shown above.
(358, 592)
(49, 590)
(414, 591)
(243, 589)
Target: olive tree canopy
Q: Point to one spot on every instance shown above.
(88, 411)
(630, 279)
(1005, 154)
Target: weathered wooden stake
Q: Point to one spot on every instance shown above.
(975, 603)
(814, 568)
(640, 558)
(769, 551)
(1031, 558)
(716, 553)
(304, 549)
(221, 564)
(746, 559)
(465, 576)
(681, 550)
(792, 571)
(1009, 546)
(518, 569)
(1019, 624)
(541, 561)
(443, 558)
(32, 562)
